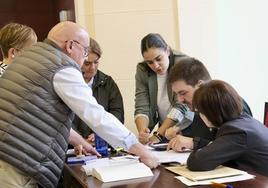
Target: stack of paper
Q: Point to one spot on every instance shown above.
(117, 168)
(171, 156)
(118, 172)
(219, 175)
(189, 182)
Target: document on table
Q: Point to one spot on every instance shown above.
(221, 174)
(117, 168)
(121, 172)
(170, 156)
(241, 177)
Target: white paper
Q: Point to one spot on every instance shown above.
(103, 162)
(171, 156)
(218, 172)
(241, 177)
(121, 172)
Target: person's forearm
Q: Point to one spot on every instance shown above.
(145, 155)
(165, 125)
(141, 123)
(138, 149)
(85, 106)
(75, 139)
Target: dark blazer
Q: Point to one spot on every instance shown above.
(107, 94)
(203, 133)
(241, 143)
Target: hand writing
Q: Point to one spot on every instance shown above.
(180, 143)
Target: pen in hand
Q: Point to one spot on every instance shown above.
(220, 185)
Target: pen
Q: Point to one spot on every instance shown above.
(220, 185)
(123, 152)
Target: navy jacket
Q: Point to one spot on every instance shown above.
(241, 143)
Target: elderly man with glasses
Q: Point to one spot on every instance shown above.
(39, 95)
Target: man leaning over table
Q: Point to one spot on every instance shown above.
(185, 78)
(39, 92)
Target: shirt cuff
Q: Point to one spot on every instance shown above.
(175, 115)
(128, 141)
(141, 115)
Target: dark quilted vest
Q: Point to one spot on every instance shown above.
(34, 121)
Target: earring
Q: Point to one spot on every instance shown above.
(13, 56)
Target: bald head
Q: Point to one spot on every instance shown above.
(72, 38)
(65, 31)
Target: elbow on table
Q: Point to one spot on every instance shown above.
(199, 166)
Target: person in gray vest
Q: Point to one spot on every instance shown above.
(39, 93)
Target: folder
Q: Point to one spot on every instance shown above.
(219, 172)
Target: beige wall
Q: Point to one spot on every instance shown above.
(230, 37)
(119, 25)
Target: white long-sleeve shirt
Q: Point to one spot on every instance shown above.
(70, 86)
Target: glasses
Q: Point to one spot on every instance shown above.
(86, 48)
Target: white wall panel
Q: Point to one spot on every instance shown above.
(119, 25)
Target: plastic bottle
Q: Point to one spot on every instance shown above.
(101, 146)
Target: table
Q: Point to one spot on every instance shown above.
(74, 177)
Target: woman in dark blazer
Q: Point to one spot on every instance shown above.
(241, 141)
